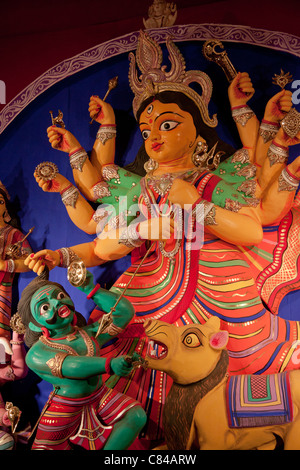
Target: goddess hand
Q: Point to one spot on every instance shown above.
(156, 228)
(183, 193)
(55, 185)
(61, 139)
(101, 111)
(294, 167)
(37, 261)
(278, 106)
(283, 139)
(240, 89)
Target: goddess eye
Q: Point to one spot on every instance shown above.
(191, 340)
(61, 295)
(44, 308)
(168, 125)
(145, 134)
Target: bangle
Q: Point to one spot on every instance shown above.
(241, 156)
(9, 266)
(204, 211)
(61, 259)
(16, 342)
(287, 181)
(93, 291)
(110, 171)
(100, 190)
(65, 189)
(106, 132)
(268, 130)
(67, 256)
(108, 369)
(241, 114)
(277, 153)
(69, 196)
(78, 158)
(130, 236)
(291, 123)
(102, 215)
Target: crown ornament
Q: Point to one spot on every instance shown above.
(155, 78)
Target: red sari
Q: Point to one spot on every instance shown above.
(195, 283)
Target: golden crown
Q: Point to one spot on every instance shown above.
(155, 78)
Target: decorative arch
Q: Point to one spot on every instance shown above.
(278, 41)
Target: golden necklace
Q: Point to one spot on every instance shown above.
(64, 347)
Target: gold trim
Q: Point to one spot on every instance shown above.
(55, 364)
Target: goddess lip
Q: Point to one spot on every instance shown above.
(156, 146)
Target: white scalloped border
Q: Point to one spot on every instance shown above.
(193, 32)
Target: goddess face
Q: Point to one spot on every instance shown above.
(169, 132)
(52, 308)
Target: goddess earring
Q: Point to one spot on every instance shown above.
(6, 217)
(210, 160)
(200, 155)
(150, 165)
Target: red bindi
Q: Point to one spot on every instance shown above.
(150, 120)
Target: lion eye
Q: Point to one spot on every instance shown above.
(191, 340)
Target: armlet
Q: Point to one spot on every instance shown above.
(55, 364)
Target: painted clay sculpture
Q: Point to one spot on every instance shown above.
(223, 233)
(84, 411)
(208, 410)
(12, 261)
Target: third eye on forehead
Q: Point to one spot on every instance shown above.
(149, 109)
(170, 117)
